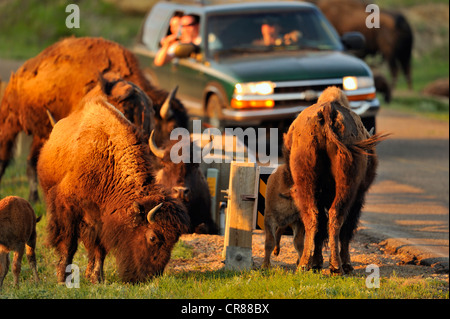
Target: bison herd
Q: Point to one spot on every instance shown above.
(100, 152)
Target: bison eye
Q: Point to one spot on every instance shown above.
(151, 237)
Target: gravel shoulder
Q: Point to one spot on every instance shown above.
(365, 250)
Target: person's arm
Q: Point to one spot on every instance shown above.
(163, 56)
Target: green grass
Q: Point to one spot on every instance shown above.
(29, 26)
(275, 283)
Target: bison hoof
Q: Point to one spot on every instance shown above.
(265, 265)
(317, 268)
(347, 268)
(276, 251)
(336, 271)
(303, 268)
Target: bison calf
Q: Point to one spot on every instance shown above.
(281, 213)
(17, 231)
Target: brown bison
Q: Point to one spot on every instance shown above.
(96, 174)
(332, 161)
(280, 213)
(59, 77)
(18, 234)
(393, 39)
(187, 183)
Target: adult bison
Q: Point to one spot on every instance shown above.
(332, 161)
(58, 78)
(96, 174)
(187, 183)
(393, 38)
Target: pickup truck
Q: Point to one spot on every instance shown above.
(232, 79)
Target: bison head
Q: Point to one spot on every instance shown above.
(143, 237)
(187, 182)
(169, 113)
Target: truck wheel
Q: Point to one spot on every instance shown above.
(214, 111)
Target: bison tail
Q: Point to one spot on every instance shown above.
(327, 117)
(367, 146)
(364, 147)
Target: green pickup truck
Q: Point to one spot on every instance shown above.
(232, 78)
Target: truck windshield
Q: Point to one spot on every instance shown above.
(247, 33)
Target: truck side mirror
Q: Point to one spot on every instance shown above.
(353, 40)
(184, 50)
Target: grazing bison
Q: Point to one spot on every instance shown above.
(96, 174)
(58, 78)
(187, 183)
(393, 39)
(332, 161)
(17, 233)
(280, 213)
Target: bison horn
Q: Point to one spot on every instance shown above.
(155, 150)
(165, 111)
(50, 117)
(151, 214)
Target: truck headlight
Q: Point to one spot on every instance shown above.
(254, 88)
(351, 83)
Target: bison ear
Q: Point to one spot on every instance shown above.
(122, 90)
(137, 208)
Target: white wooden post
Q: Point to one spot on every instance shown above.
(239, 218)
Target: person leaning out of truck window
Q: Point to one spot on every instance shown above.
(188, 33)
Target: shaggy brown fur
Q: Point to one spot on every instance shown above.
(187, 182)
(17, 232)
(58, 78)
(393, 39)
(95, 171)
(280, 213)
(332, 161)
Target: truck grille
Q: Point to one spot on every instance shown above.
(301, 93)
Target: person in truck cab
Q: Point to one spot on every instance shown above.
(188, 33)
(271, 35)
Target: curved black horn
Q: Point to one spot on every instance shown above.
(165, 111)
(151, 214)
(154, 148)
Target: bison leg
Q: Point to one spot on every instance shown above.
(279, 232)
(348, 229)
(96, 254)
(9, 129)
(310, 221)
(298, 239)
(31, 169)
(66, 251)
(268, 246)
(98, 275)
(17, 263)
(4, 266)
(394, 71)
(31, 255)
(334, 226)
